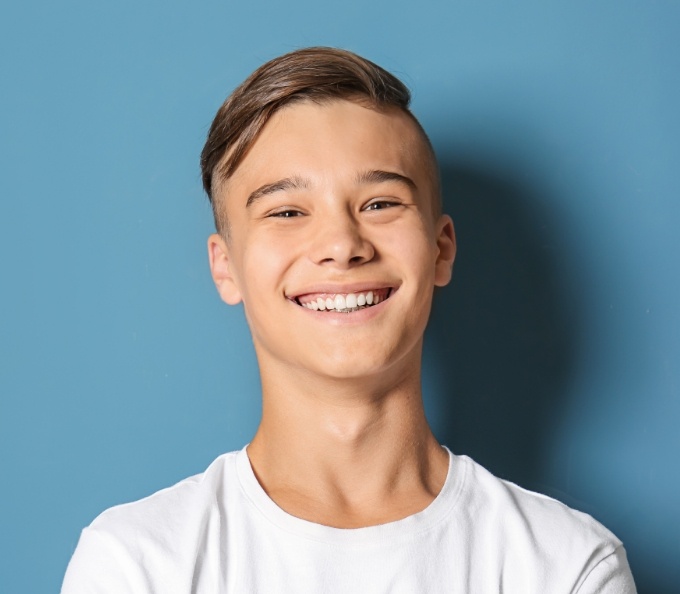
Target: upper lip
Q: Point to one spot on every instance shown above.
(340, 289)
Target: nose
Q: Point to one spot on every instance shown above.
(341, 242)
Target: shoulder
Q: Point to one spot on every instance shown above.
(515, 510)
(529, 534)
(128, 546)
(169, 508)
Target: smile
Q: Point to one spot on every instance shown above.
(343, 302)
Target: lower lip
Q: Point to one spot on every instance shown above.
(339, 318)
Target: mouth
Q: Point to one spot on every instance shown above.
(343, 302)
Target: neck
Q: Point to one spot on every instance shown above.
(347, 453)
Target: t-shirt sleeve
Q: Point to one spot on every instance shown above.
(101, 566)
(610, 576)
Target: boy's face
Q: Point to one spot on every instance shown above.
(331, 201)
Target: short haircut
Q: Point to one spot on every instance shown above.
(318, 74)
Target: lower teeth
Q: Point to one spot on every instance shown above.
(346, 310)
(350, 309)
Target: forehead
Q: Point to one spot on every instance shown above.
(333, 139)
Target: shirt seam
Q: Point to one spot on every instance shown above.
(445, 514)
(594, 567)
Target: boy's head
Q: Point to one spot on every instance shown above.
(326, 196)
(317, 74)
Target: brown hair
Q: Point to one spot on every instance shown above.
(315, 73)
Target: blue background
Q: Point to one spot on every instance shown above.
(553, 356)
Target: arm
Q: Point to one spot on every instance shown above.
(101, 566)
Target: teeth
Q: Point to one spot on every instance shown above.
(346, 303)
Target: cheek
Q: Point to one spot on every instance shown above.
(414, 249)
(264, 266)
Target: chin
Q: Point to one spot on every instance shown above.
(357, 366)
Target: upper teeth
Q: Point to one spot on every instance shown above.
(342, 302)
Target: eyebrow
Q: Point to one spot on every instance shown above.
(378, 176)
(374, 176)
(282, 185)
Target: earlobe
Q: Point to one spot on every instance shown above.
(220, 268)
(446, 244)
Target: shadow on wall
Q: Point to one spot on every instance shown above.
(502, 341)
(503, 337)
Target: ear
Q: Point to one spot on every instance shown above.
(446, 246)
(218, 255)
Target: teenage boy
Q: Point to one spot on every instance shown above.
(326, 199)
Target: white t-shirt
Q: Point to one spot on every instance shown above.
(219, 532)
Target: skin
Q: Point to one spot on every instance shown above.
(343, 439)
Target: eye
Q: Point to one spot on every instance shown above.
(381, 204)
(285, 214)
